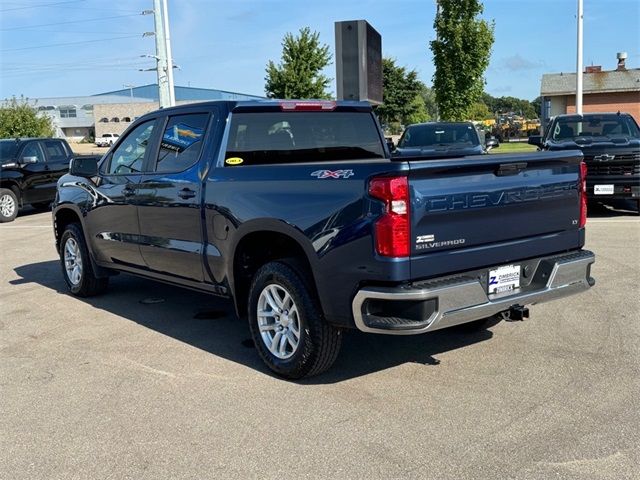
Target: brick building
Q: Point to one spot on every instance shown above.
(603, 91)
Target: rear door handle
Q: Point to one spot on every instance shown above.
(128, 191)
(186, 193)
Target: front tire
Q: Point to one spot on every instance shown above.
(8, 205)
(77, 268)
(286, 323)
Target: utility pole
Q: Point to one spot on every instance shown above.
(167, 40)
(161, 56)
(438, 12)
(579, 62)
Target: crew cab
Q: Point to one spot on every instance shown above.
(106, 140)
(442, 139)
(297, 212)
(610, 143)
(29, 171)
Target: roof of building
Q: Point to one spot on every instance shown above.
(182, 93)
(142, 94)
(597, 82)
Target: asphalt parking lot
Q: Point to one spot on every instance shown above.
(150, 381)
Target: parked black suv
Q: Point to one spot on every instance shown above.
(29, 171)
(610, 143)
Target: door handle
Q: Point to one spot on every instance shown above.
(128, 191)
(186, 193)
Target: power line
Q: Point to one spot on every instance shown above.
(67, 23)
(66, 44)
(40, 5)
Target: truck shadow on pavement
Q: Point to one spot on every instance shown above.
(210, 324)
(612, 208)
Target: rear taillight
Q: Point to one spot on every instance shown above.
(392, 229)
(582, 189)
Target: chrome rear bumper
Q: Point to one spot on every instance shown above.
(455, 300)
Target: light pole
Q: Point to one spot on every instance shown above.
(579, 62)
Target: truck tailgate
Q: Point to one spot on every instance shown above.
(473, 212)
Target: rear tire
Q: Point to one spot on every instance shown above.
(286, 323)
(8, 205)
(77, 268)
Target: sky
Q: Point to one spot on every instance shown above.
(52, 48)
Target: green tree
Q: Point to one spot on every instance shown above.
(299, 74)
(19, 119)
(419, 113)
(429, 98)
(461, 55)
(400, 91)
(479, 111)
(537, 106)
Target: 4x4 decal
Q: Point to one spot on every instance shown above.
(321, 174)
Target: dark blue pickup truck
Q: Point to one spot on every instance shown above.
(297, 211)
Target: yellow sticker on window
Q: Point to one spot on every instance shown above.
(234, 161)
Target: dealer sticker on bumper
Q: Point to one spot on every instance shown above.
(603, 189)
(504, 279)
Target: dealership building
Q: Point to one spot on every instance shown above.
(78, 118)
(603, 91)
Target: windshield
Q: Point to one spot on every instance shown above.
(594, 126)
(458, 135)
(8, 149)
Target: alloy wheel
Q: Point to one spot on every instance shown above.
(7, 205)
(73, 261)
(278, 321)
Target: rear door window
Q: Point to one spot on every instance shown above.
(55, 151)
(299, 137)
(181, 142)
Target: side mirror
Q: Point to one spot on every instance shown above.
(492, 142)
(390, 145)
(84, 167)
(535, 140)
(29, 160)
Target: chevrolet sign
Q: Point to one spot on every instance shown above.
(605, 157)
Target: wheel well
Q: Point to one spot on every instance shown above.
(257, 249)
(63, 218)
(14, 187)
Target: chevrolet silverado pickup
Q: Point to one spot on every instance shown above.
(610, 143)
(297, 212)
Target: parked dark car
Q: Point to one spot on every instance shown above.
(297, 211)
(442, 139)
(29, 171)
(610, 143)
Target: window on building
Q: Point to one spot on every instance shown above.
(67, 111)
(104, 120)
(115, 119)
(126, 119)
(87, 107)
(181, 143)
